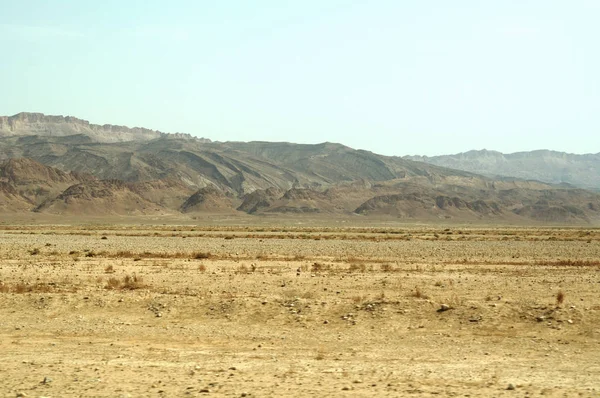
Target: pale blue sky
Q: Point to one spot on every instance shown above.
(391, 76)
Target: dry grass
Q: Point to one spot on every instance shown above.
(39, 287)
(419, 293)
(560, 297)
(128, 282)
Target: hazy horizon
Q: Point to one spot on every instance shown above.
(395, 79)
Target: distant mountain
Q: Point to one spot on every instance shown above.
(543, 165)
(59, 165)
(24, 123)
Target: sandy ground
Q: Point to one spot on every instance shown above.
(128, 311)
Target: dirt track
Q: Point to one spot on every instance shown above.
(302, 312)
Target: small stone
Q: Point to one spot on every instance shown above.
(158, 315)
(570, 321)
(345, 388)
(21, 394)
(540, 318)
(325, 322)
(443, 307)
(47, 380)
(244, 394)
(264, 302)
(511, 387)
(205, 391)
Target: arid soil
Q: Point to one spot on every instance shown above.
(173, 311)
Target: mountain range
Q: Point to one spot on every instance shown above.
(67, 166)
(548, 166)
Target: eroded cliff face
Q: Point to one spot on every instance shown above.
(24, 124)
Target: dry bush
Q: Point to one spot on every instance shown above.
(201, 267)
(109, 269)
(201, 255)
(242, 269)
(357, 267)
(34, 251)
(21, 288)
(128, 283)
(113, 283)
(560, 297)
(261, 256)
(320, 354)
(132, 282)
(387, 267)
(317, 267)
(418, 293)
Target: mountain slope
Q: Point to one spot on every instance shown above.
(547, 166)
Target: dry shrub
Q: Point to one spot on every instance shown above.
(201, 255)
(109, 269)
(418, 293)
(387, 267)
(320, 354)
(112, 283)
(242, 269)
(201, 267)
(261, 256)
(357, 267)
(34, 251)
(132, 282)
(21, 288)
(317, 267)
(128, 283)
(560, 297)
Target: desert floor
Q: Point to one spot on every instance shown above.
(175, 311)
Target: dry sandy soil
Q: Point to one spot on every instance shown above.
(258, 311)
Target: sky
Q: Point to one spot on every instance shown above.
(395, 77)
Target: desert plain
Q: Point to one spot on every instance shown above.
(129, 310)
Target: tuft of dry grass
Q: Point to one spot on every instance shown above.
(418, 293)
(127, 283)
(355, 267)
(560, 297)
(201, 255)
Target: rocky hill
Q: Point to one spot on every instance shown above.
(24, 123)
(61, 171)
(547, 166)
